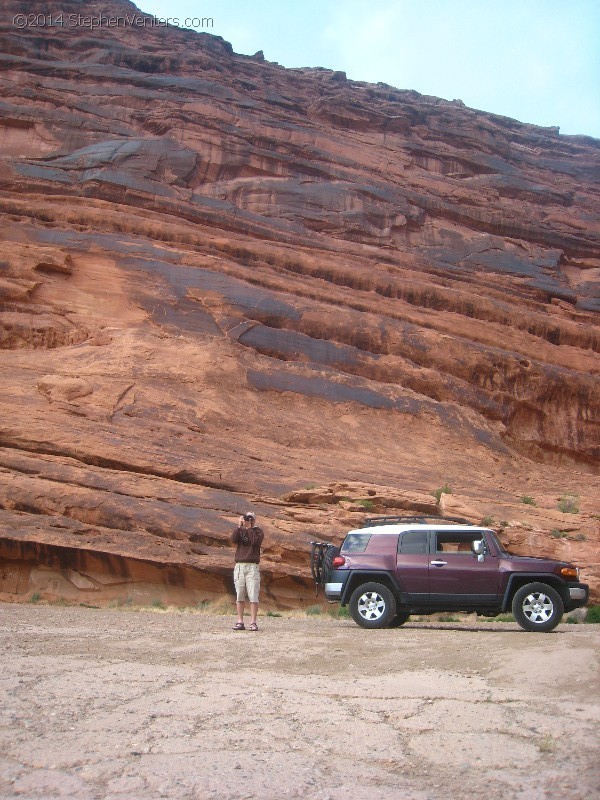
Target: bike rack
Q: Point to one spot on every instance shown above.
(321, 555)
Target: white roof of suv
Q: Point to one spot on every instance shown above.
(394, 529)
(395, 525)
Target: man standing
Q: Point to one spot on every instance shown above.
(248, 537)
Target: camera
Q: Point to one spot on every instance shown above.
(248, 517)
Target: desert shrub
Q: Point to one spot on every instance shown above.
(500, 618)
(556, 534)
(445, 489)
(35, 597)
(273, 614)
(528, 501)
(368, 505)
(158, 604)
(119, 602)
(568, 503)
(593, 615)
(341, 612)
(547, 744)
(222, 607)
(487, 521)
(314, 611)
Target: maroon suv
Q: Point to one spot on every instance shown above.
(397, 566)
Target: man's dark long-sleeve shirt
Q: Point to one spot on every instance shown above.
(248, 541)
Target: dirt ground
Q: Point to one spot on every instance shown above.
(117, 704)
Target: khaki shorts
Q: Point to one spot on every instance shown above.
(247, 582)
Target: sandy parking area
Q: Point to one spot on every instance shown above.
(118, 704)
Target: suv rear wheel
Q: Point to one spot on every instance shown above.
(372, 605)
(537, 607)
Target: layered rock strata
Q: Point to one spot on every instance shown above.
(223, 281)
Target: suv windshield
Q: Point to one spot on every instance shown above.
(501, 549)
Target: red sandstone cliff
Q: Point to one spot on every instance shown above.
(227, 284)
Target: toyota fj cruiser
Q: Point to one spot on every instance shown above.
(397, 566)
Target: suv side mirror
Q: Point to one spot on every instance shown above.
(479, 549)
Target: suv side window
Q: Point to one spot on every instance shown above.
(449, 542)
(356, 543)
(413, 542)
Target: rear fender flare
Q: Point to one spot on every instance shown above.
(368, 576)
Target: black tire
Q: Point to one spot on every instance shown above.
(537, 607)
(400, 618)
(330, 554)
(372, 605)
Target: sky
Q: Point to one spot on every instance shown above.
(536, 61)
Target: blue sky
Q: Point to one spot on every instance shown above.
(534, 60)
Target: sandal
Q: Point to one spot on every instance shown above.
(239, 626)
(253, 626)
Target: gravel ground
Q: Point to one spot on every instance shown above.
(118, 704)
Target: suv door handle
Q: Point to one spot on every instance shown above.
(438, 563)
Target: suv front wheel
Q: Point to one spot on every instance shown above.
(537, 607)
(372, 605)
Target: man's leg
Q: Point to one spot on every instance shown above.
(240, 591)
(253, 591)
(253, 612)
(240, 610)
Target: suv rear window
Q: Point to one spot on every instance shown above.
(356, 542)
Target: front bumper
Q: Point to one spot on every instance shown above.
(578, 596)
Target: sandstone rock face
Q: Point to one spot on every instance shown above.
(224, 284)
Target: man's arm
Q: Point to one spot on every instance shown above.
(258, 536)
(236, 535)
